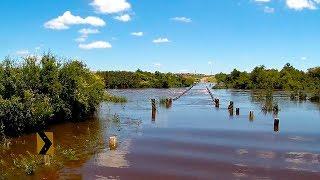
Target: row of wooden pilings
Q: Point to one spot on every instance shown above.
(168, 104)
(216, 102)
(113, 142)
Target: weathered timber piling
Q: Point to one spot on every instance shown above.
(276, 124)
(154, 109)
(230, 107)
(47, 160)
(230, 112)
(168, 103)
(237, 111)
(217, 102)
(251, 116)
(113, 143)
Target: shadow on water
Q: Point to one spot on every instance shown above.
(190, 140)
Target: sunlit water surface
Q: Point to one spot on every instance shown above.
(195, 140)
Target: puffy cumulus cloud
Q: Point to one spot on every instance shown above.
(110, 6)
(137, 34)
(68, 19)
(161, 40)
(123, 18)
(302, 4)
(95, 45)
(182, 19)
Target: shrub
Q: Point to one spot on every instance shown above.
(38, 92)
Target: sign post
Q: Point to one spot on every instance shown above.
(45, 145)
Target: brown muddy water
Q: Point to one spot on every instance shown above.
(190, 140)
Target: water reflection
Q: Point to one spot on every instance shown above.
(116, 158)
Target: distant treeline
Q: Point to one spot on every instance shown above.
(37, 92)
(289, 78)
(142, 79)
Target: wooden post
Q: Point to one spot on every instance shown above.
(237, 111)
(217, 103)
(154, 109)
(251, 116)
(230, 108)
(113, 144)
(276, 124)
(168, 103)
(230, 105)
(47, 161)
(230, 112)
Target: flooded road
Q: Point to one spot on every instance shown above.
(192, 139)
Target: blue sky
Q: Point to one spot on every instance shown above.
(165, 35)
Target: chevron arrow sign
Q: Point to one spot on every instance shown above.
(45, 143)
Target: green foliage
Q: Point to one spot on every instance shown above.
(114, 99)
(37, 92)
(69, 154)
(28, 163)
(163, 101)
(288, 78)
(141, 79)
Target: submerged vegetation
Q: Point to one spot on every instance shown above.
(141, 79)
(114, 99)
(36, 92)
(17, 164)
(300, 83)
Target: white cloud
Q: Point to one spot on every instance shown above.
(157, 65)
(182, 19)
(161, 40)
(302, 4)
(81, 39)
(67, 19)
(262, 1)
(23, 52)
(110, 6)
(210, 62)
(123, 18)
(95, 45)
(137, 33)
(304, 58)
(268, 9)
(85, 33)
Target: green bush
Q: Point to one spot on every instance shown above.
(141, 79)
(289, 78)
(36, 92)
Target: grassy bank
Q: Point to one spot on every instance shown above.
(141, 79)
(301, 84)
(37, 92)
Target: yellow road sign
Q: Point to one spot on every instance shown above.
(45, 143)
